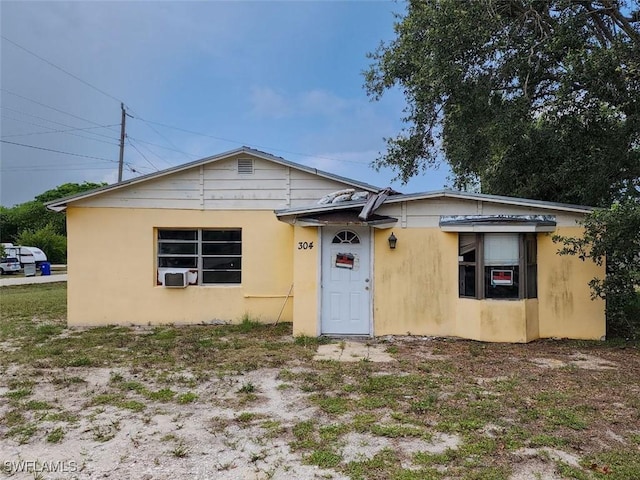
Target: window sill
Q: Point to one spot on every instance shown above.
(496, 299)
(208, 285)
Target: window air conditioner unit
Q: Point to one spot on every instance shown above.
(176, 280)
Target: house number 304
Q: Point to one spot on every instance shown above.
(305, 245)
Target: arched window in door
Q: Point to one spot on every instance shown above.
(345, 236)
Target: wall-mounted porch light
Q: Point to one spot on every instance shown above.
(392, 241)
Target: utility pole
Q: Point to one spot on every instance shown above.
(122, 123)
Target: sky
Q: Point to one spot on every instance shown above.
(197, 79)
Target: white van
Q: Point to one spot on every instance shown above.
(25, 254)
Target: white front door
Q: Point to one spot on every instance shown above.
(346, 281)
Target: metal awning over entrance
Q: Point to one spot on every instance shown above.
(498, 223)
(343, 218)
(357, 213)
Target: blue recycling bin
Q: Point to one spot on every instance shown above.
(45, 268)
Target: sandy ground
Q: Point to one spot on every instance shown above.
(213, 437)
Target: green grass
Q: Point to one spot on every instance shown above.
(304, 435)
(333, 405)
(180, 451)
(19, 394)
(247, 388)
(615, 465)
(188, 397)
(13, 418)
(132, 405)
(162, 395)
(488, 397)
(32, 315)
(37, 405)
(385, 464)
(56, 435)
(323, 458)
(399, 431)
(246, 417)
(22, 433)
(566, 417)
(546, 440)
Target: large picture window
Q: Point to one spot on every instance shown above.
(215, 254)
(497, 265)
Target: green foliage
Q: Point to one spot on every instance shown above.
(66, 190)
(533, 99)
(611, 237)
(34, 215)
(530, 99)
(53, 244)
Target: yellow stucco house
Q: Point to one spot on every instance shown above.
(249, 233)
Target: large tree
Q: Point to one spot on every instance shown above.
(32, 224)
(532, 98)
(34, 215)
(613, 235)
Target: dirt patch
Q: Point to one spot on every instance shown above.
(535, 469)
(579, 360)
(353, 352)
(214, 437)
(459, 408)
(359, 447)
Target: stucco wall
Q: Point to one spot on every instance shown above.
(306, 261)
(112, 280)
(112, 268)
(415, 285)
(492, 320)
(565, 307)
(416, 292)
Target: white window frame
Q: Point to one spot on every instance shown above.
(199, 254)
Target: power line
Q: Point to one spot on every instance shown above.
(58, 151)
(47, 120)
(50, 131)
(141, 144)
(138, 117)
(53, 131)
(162, 146)
(53, 167)
(149, 123)
(49, 165)
(142, 154)
(89, 85)
(137, 169)
(48, 106)
(61, 69)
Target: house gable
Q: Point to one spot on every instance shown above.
(424, 210)
(242, 180)
(427, 212)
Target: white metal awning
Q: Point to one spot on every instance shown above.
(498, 223)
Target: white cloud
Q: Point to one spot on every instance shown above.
(267, 102)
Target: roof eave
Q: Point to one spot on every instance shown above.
(61, 204)
(318, 208)
(493, 199)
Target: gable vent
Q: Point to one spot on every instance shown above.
(245, 166)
